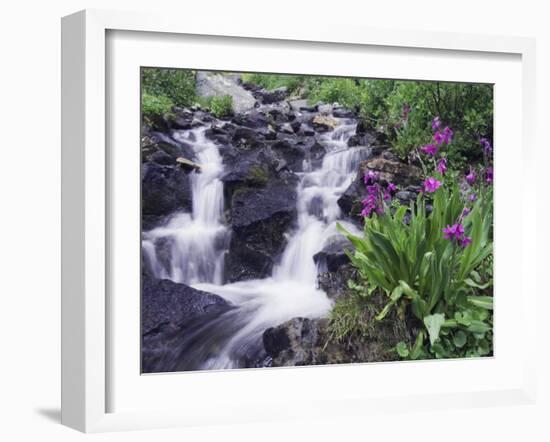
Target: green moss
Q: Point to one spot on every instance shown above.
(257, 176)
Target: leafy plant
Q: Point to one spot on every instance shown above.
(176, 84)
(435, 276)
(155, 106)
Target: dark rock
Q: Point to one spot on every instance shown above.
(292, 343)
(335, 283)
(291, 152)
(164, 190)
(169, 309)
(393, 170)
(333, 255)
(259, 220)
(342, 112)
(302, 341)
(271, 96)
(162, 158)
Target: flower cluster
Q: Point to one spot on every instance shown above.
(431, 185)
(486, 144)
(376, 194)
(455, 234)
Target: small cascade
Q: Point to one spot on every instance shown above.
(189, 248)
(195, 253)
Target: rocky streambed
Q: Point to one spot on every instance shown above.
(242, 262)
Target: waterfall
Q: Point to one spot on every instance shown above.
(194, 241)
(196, 257)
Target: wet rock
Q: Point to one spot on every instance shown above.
(292, 343)
(306, 341)
(333, 255)
(164, 190)
(292, 152)
(169, 309)
(259, 220)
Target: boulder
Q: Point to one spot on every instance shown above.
(291, 151)
(292, 343)
(333, 254)
(259, 220)
(210, 84)
(271, 96)
(164, 190)
(169, 309)
(324, 123)
(306, 341)
(393, 170)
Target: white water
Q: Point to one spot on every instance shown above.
(195, 240)
(197, 258)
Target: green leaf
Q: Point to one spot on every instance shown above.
(433, 324)
(402, 349)
(485, 302)
(475, 285)
(478, 327)
(459, 339)
(416, 350)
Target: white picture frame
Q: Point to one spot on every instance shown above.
(86, 356)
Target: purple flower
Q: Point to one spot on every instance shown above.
(442, 166)
(436, 123)
(465, 212)
(429, 149)
(370, 177)
(444, 136)
(453, 232)
(391, 187)
(489, 175)
(471, 177)
(486, 144)
(431, 185)
(370, 204)
(373, 189)
(473, 197)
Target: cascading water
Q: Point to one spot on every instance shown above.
(195, 240)
(234, 339)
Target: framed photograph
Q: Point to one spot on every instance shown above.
(262, 224)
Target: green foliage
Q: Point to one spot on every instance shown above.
(344, 91)
(176, 84)
(219, 106)
(466, 108)
(274, 81)
(155, 106)
(435, 278)
(348, 318)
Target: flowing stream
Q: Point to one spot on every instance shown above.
(194, 246)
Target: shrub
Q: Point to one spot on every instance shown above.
(155, 106)
(344, 91)
(273, 81)
(176, 84)
(219, 106)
